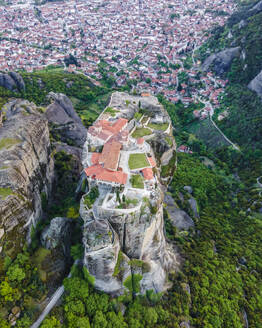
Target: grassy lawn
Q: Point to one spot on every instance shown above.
(4, 192)
(137, 161)
(8, 142)
(137, 181)
(161, 127)
(141, 132)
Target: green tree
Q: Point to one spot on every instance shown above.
(51, 322)
(15, 273)
(99, 320)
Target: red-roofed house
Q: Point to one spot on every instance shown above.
(99, 173)
(104, 130)
(148, 173)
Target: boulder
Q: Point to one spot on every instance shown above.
(12, 81)
(221, 61)
(256, 84)
(7, 82)
(18, 80)
(193, 205)
(63, 101)
(188, 189)
(2, 232)
(179, 218)
(185, 324)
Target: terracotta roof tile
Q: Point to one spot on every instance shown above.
(110, 155)
(151, 161)
(148, 173)
(95, 158)
(102, 174)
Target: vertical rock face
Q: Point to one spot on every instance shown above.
(126, 244)
(66, 122)
(26, 170)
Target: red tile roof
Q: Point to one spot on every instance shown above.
(148, 173)
(104, 129)
(95, 158)
(120, 124)
(151, 161)
(102, 174)
(140, 141)
(110, 155)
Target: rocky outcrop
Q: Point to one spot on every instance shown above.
(118, 245)
(164, 148)
(102, 249)
(12, 81)
(179, 218)
(65, 120)
(26, 171)
(257, 8)
(58, 234)
(256, 84)
(221, 61)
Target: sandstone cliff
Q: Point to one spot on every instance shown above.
(26, 171)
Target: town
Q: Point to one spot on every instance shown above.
(143, 41)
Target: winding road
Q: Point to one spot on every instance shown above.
(211, 113)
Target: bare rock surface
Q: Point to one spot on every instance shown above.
(256, 84)
(257, 8)
(57, 234)
(193, 205)
(179, 218)
(68, 124)
(221, 61)
(12, 81)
